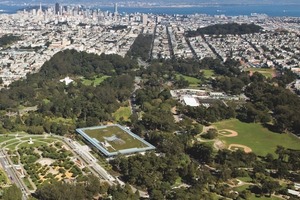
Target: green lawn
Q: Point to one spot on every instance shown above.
(27, 183)
(46, 101)
(201, 127)
(48, 140)
(253, 197)
(96, 80)
(193, 82)
(10, 142)
(26, 144)
(267, 72)
(241, 188)
(124, 112)
(178, 182)
(62, 120)
(215, 196)
(245, 179)
(4, 138)
(258, 138)
(126, 141)
(3, 178)
(208, 73)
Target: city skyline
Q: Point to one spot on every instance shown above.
(157, 2)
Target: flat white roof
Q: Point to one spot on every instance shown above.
(67, 80)
(190, 101)
(293, 192)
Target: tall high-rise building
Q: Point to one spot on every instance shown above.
(56, 9)
(145, 19)
(116, 9)
(40, 11)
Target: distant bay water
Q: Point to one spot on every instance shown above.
(9, 9)
(228, 10)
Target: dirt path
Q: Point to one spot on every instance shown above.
(219, 145)
(175, 115)
(174, 110)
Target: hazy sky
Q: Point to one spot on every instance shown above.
(158, 1)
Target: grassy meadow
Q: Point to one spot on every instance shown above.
(258, 138)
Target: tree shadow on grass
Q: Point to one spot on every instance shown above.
(272, 128)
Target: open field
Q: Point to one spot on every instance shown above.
(25, 143)
(96, 81)
(122, 112)
(193, 82)
(255, 136)
(267, 72)
(208, 73)
(4, 138)
(123, 141)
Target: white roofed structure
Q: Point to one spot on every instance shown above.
(190, 101)
(67, 80)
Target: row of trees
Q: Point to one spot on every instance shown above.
(8, 39)
(141, 47)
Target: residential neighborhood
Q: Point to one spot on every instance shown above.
(44, 32)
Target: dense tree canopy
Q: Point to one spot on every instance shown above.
(224, 29)
(182, 167)
(12, 193)
(8, 39)
(141, 47)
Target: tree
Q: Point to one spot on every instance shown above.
(61, 191)
(201, 152)
(281, 152)
(93, 185)
(282, 171)
(12, 193)
(104, 186)
(225, 173)
(230, 28)
(141, 46)
(270, 186)
(245, 194)
(211, 134)
(156, 195)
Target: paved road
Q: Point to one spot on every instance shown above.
(12, 174)
(90, 160)
(77, 150)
